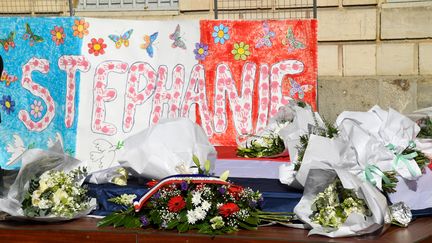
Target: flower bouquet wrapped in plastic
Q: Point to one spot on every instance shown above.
(268, 143)
(399, 135)
(47, 188)
(336, 203)
(295, 136)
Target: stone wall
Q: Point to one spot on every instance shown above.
(370, 51)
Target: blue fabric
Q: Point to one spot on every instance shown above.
(277, 197)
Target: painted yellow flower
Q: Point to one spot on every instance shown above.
(240, 51)
(80, 28)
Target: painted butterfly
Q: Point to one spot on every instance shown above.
(265, 40)
(291, 41)
(8, 42)
(178, 41)
(122, 39)
(31, 36)
(7, 78)
(296, 88)
(148, 43)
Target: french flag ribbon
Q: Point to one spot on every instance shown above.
(177, 179)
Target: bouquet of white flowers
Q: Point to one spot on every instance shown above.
(332, 207)
(56, 193)
(47, 188)
(336, 203)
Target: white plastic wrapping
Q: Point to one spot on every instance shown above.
(390, 128)
(304, 120)
(34, 163)
(319, 177)
(166, 149)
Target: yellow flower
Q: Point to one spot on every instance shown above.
(240, 51)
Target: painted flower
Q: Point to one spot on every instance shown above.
(80, 28)
(228, 209)
(220, 34)
(240, 51)
(175, 204)
(36, 109)
(8, 104)
(201, 51)
(58, 35)
(97, 46)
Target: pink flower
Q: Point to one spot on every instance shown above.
(36, 109)
(58, 35)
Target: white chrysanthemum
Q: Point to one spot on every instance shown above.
(191, 217)
(205, 205)
(196, 198)
(200, 213)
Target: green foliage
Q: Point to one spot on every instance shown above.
(301, 149)
(425, 128)
(263, 146)
(125, 219)
(332, 207)
(390, 187)
(420, 159)
(330, 131)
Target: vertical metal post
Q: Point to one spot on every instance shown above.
(315, 9)
(215, 6)
(71, 9)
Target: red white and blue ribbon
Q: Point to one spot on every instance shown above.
(177, 179)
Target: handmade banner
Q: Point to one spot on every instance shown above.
(93, 82)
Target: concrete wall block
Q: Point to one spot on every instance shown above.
(329, 61)
(194, 5)
(397, 59)
(424, 91)
(399, 93)
(326, 3)
(425, 58)
(400, 21)
(359, 60)
(347, 24)
(341, 94)
(359, 2)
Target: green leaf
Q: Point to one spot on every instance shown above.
(120, 221)
(38, 38)
(247, 226)
(131, 222)
(252, 220)
(207, 165)
(196, 161)
(183, 227)
(172, 224)
(108, 220)
(224, 176)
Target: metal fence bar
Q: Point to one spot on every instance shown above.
(265, 9)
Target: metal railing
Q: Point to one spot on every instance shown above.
(127, 5)
(35, 7)
(265, 9)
